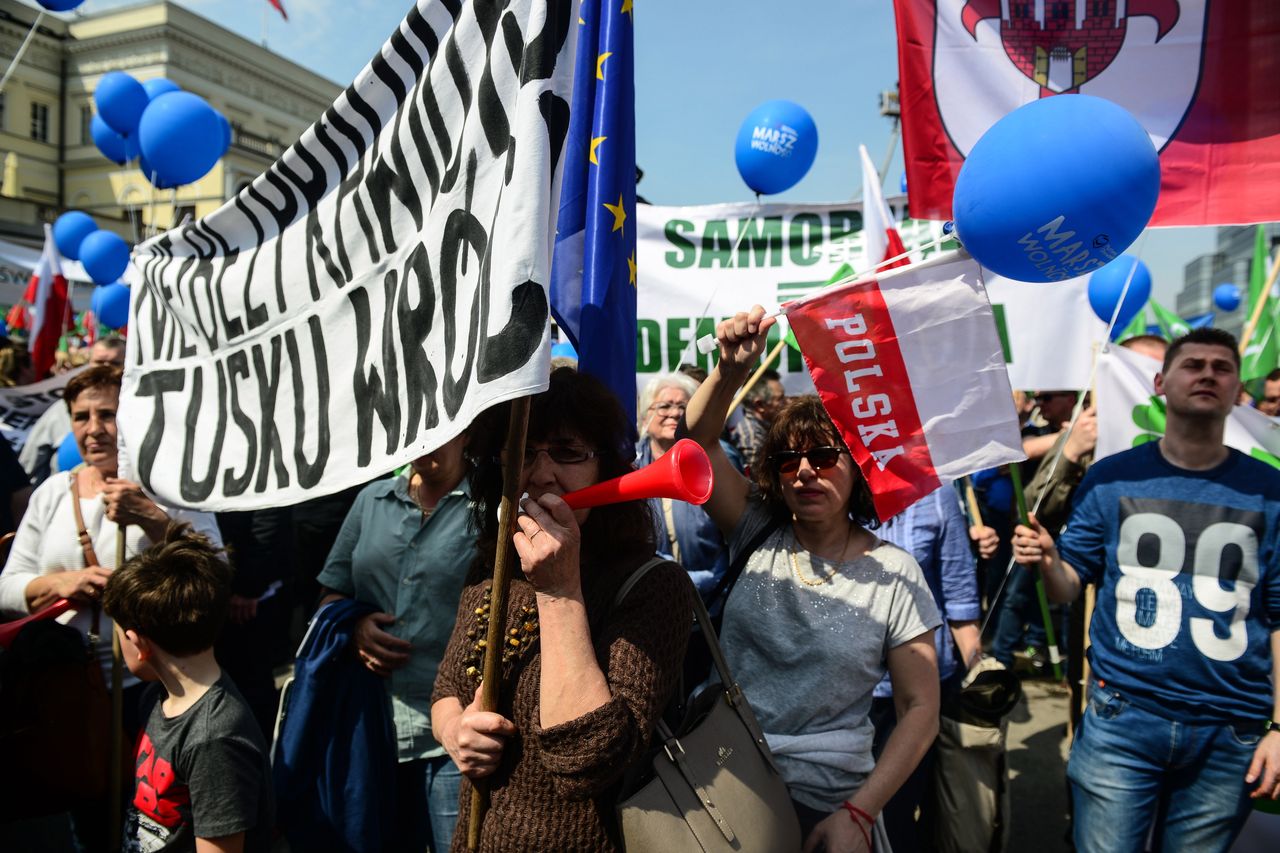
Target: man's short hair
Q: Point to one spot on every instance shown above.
(101, 376)
(176, 593)
(112, 342)
(1273, 376)
(1207, 336)
(761, 392)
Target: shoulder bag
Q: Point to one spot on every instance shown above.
(711, 784)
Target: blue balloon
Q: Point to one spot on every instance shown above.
(182, 137)
(121, 101)
(69, 231)
(4, 328)
(60, 5)
(1056, 189)
(105, 256)
(158, 86)
(113, 306)
(112, 145)
(1106, 285)
(904, 183)
(1226, 297)
(68, 453)
(775, 147)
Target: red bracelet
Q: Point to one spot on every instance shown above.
(857, 815)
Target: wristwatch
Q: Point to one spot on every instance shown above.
(1271, 726)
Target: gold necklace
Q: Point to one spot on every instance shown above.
(417, 499)
(795, 564)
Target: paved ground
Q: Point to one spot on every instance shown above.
(1037, 754)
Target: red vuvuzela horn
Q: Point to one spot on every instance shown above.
(682, 473)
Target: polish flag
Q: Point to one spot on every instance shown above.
(909, 366)
(882, 239)
(47, 294)
(1198, 75)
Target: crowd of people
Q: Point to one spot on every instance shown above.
(852, 638)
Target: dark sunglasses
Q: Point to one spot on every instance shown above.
(820, 459)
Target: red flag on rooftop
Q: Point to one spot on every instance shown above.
(1198, 74)
(279, 4)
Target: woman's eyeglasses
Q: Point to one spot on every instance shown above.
(560, 454)
(668, 409)
(820, 459)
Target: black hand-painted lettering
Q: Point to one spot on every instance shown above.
(310, 472)
(193, 490)
(156, 384)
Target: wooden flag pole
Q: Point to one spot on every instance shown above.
(116, 789)
(1261, 303)
(971, 500)
(512, 471)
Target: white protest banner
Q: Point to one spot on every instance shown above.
(377, 287)
(1130, 413)
(1049, 330)
(22, 406)
(690, 277)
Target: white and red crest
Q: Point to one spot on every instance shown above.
(992, 56)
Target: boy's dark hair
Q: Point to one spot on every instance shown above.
(1273, 375)
(1207, 336)
(176, 593)
(102, 376)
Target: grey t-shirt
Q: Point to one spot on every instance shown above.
(201, 774)
(809, 655)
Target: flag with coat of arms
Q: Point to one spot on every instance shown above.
(593, 272)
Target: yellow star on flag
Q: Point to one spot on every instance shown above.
(631, 266)
(619, 213)
(626, 7)
(600, 64)
(595, 143)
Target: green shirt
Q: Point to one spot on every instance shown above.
(387, 556)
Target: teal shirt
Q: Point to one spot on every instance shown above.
(386, 556)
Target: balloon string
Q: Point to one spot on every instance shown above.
(742, 231)
(22, 49)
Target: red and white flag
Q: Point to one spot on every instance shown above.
(1200, 76)
(47, 293)
(882, 239)
(909, 366)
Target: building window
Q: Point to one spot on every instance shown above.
(1, 112)
(40, 122)
(182, 212)
(86, 125)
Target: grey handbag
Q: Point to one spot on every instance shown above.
(714, 786)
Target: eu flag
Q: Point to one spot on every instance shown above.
(593, 273)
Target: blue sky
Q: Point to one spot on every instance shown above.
(701, 66)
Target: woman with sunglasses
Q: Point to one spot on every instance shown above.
(584, 677)
(821, 605)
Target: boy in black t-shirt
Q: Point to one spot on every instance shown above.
(203, 778)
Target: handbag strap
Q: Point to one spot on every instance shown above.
(733, 693)
(90, 558)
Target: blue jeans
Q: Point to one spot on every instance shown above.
(426, 804)
(1131, 770)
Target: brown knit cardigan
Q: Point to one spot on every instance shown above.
(555, 789)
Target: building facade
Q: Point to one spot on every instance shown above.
(50, 163)
(1229, 263)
